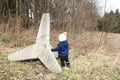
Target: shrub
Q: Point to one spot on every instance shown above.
(5, 40)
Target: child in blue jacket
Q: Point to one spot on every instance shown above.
(63, 49)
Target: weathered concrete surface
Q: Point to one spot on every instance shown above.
(43, 36)
(24, 54)
(49, 61)
(41, 49)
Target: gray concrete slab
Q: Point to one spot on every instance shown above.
(41, 49)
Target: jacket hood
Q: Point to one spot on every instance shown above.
(62, 36)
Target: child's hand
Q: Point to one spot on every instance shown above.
(52, 50)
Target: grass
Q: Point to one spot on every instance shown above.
(87, 61)
(92, 66)
(5, 40)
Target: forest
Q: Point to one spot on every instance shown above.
(72, 16)
(69, 15)
(94, 40)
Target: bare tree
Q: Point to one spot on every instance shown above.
(71, 15)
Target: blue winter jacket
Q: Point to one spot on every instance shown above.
(62, 48)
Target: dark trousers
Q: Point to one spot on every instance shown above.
(64, 60)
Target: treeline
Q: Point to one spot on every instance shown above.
(65, 14)
(110, 22)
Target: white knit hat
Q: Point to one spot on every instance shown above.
(62, 36)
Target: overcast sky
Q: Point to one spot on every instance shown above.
(110, 5)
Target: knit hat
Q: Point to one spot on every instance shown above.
(62, 36)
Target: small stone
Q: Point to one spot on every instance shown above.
(97, 78)
(38, 72)
(39, 62)
(2, 71)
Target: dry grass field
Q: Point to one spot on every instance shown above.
(93, 56)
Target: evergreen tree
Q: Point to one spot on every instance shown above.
(110, 22)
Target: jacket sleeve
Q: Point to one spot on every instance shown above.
(56, 49)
